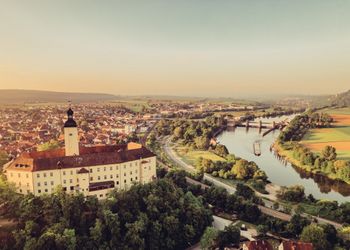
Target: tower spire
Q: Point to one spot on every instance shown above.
(70, 123)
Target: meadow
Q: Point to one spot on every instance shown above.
(337, 136)
(191, 156)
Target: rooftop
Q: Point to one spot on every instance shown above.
(89, 156)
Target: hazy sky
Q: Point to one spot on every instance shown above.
(200, 48)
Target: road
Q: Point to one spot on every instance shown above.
(267, 209)
(220, 224)
(170, 152)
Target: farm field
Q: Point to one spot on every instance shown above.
(337, 136)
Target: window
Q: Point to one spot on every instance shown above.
(98, 178)
(104, 169)
(51, 174)
(19, 174)
(111, 176)
(117, 175)
(124, 181)
(117, 182)
(45, 183)
(98, 169)
(38, 184)
(64, 188)
(44, 175)
(64, 181)
(52, 183)
(130, 179)
(111, 168)
(46, 190)
(27, 176)
(71, 188)
(71, 172)
(38, 175)
(90, 170)
(20, 190)
(19, 184)
(105, 177)
(101, 195)
(136, 178)
(136, 171)
(91, 178)
(130, 172)
(116, 168)
(70, 181)
(27, 184)
(39, 191)
(124, 166)
(64, 172)
(124, 174)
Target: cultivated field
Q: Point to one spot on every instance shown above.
(337, 136)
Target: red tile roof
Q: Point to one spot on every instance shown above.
(259, 245)
(89, 156)
(296, 245)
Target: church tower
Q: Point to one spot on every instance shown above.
(71, 141)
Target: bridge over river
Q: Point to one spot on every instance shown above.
(269, 125)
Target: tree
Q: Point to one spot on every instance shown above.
(262, 229)
(329, 153)
(296, 224)
(221, 150)
(244, 191)
(178, 133)
(202, 142)
(209, 238)
(315, 235)
(52, 144)
(230, 236)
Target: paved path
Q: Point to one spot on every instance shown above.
(221, 223)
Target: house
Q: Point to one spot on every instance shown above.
(257, 245)
(89, 170)
(295, 245)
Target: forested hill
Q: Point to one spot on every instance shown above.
(31, 96)
(342, 99)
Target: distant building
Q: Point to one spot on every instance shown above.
(295, 245)
(257, 245)
(89, 170)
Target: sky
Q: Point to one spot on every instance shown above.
(222, 48)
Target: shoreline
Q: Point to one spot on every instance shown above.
(277, 148)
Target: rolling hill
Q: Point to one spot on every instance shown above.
(11, 96)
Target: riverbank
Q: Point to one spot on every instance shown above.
(288, 156)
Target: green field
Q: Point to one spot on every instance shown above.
(191, 156)
(337, 136)
(328, 135)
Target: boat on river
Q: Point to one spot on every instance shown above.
(257, 148)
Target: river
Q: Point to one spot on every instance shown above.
(239, 141)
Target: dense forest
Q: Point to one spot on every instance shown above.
(158, 215)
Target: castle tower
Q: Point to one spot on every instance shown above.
(71, 141)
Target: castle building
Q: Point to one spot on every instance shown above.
(89, 170)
